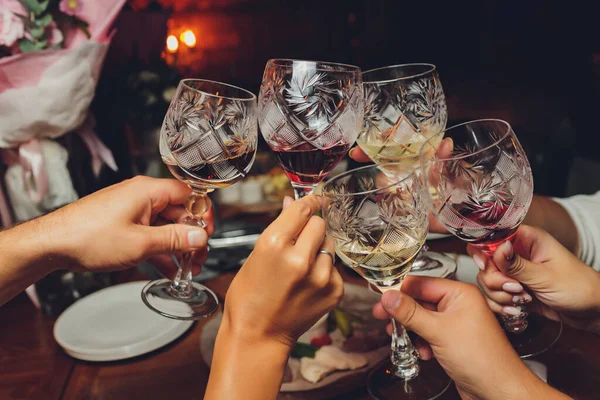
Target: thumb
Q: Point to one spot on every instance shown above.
(409, 313)
(515, 266)
(173, 238)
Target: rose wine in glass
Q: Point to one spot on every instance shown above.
(480, 187)
(379, 223)
(208, 141)
(309, 113)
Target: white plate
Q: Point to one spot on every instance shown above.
(114, 324)
(435, 235)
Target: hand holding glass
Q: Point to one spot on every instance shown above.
(208, 140)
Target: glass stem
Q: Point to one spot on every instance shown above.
(516, 324)
(404, 355)
(181, 286)
(301, 191)
(196, 204)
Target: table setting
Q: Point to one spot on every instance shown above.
(145, 335)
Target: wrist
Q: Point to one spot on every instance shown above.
(245, 365)
(32, 246)
(28, 252)
(522, 383)
(251, 340)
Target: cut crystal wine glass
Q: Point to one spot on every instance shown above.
(480, 188)
(208, 140)
(309, 113)
(404, 107)
(379, 223)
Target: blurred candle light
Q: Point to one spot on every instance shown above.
(188, 38)
(172, 44)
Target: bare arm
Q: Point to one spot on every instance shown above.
(246, 368)
(27, 253)
(106, 231)
(550, 216)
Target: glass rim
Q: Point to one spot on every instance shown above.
(428, 142)
(280, 62)
(327, 193)
(185, 81)
(432, 69)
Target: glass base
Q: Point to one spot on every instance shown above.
(159, 296)
(540, 335)
(433, 264)
(432, 382)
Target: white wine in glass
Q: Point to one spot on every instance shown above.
(404, 107)
(387, 265)
(379, 223)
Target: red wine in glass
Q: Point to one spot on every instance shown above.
(306, 165)
(484, 233)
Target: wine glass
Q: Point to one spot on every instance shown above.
(404, 107)
(309, 113)
(208, 141)
(379, 223)
(480, 188)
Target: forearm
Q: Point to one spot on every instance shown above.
(519, 382)
(550, 216)
(27, 254)
(245, 368)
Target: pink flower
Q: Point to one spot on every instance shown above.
(70, 7)
(11, 27)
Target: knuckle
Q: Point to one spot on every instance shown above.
(485, 280)
(481, 281)
(318, 223)
(320, 281)
(338, 290)
(271, 242)
(495, 307)
(173, 239)
(517, 266)
(411, 313)
(304, 210)
(299, 264)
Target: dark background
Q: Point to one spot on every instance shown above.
(530, 62)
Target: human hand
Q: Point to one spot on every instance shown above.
(124, 224)
(464, 335)
(286, 285)
(537, 265)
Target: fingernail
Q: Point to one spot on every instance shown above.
(510, 310)
(351, 151)
(525, 298)
(507, 249)
(391, 300)
(512, 287)
(479, 261)
(287, 201)
(197, 238)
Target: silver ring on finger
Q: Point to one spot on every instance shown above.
(330, 254)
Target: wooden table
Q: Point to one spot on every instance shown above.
(33, 366)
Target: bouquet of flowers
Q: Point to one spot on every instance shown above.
(51, 53)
